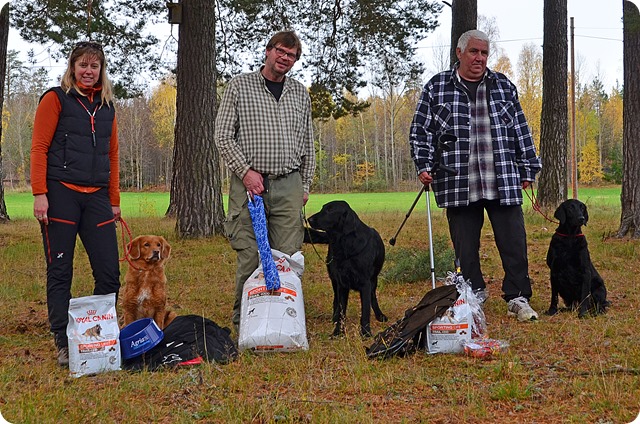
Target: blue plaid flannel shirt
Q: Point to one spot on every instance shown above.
(444, 107)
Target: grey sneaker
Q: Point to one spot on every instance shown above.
(63, 356)
(482, 295)
(520, 307)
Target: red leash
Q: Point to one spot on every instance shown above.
(126, 247)
(535, 205)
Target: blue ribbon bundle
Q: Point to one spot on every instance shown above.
(259, 221)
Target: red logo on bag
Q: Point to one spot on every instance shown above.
(91, 312)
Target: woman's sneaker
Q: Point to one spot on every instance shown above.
(520, 307)
(63, 356)
(60, 339)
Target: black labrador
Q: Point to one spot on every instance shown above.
(354, 260)
(573, 275)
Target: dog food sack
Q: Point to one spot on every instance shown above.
(447, 333)
(274, 320)
(93, 333)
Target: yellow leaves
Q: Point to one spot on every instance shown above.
(364, 171)
(341, 159)
(589, 166)
(163, 113)
(6, 116)
(530, 87)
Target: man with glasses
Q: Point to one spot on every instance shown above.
(264, 134)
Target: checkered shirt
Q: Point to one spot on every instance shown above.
(254, 130)
(444, 107)
(482, 176)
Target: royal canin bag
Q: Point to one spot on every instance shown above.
(93, 333)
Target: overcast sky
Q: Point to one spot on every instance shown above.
(597, 29)
(598, 35)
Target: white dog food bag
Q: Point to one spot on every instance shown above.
(274, 320)
(448, 333)
(93, 332)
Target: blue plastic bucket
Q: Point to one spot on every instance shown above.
(138, 337)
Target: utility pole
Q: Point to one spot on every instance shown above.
(574, 162)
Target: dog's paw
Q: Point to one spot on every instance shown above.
(338, 332)
(382, 318)
(366, 332)
(551, 311)
(583, 314)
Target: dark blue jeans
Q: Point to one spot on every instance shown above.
(90, 216)
(465, 225)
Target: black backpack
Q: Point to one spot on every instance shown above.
(188, 340)
(408, 334)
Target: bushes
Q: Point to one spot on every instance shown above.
(411, 265)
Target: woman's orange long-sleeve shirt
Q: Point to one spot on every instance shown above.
(44, 127)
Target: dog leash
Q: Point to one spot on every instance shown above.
(306, 228)
(126, 247)
(535, 205)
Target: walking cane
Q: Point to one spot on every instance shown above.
(392, 240)
(443, 144)
(431, 261)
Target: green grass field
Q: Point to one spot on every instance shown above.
(561, 369)
(154, 204)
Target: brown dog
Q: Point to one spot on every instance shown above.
(93, 332)
(145, 294)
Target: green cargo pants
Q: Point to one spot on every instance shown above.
(283, 208)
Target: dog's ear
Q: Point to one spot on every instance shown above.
(349, 220)
(133, 248)
(352, 240)
(560, 214)
(166, 248)
(585, 213)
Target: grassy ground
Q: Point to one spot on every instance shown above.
(155, 204)
(558, 370)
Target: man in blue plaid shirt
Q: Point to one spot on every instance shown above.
(495, 158)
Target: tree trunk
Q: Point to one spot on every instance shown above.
(464, 16)
(4, 38)
(554, 127)
(196, 189)
(630, 197)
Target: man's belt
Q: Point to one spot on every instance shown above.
(267, 177)
(277, 177)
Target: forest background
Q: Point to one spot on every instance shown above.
(365, 150)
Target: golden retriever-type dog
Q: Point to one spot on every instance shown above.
(145, 294)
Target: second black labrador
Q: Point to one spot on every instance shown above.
(573, 276)
(354, 260)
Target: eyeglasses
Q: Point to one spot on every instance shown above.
(283, 53)
(90, 44)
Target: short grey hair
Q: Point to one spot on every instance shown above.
(473, 33)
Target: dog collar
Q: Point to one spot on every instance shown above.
(570, 235)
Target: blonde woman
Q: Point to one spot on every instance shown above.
(75, 181)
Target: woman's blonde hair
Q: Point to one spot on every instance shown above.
(89, 49)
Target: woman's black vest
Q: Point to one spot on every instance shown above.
(75, 155)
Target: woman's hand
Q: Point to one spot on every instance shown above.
(117, 213)
(40, 208)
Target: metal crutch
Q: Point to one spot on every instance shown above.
(443, 144)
